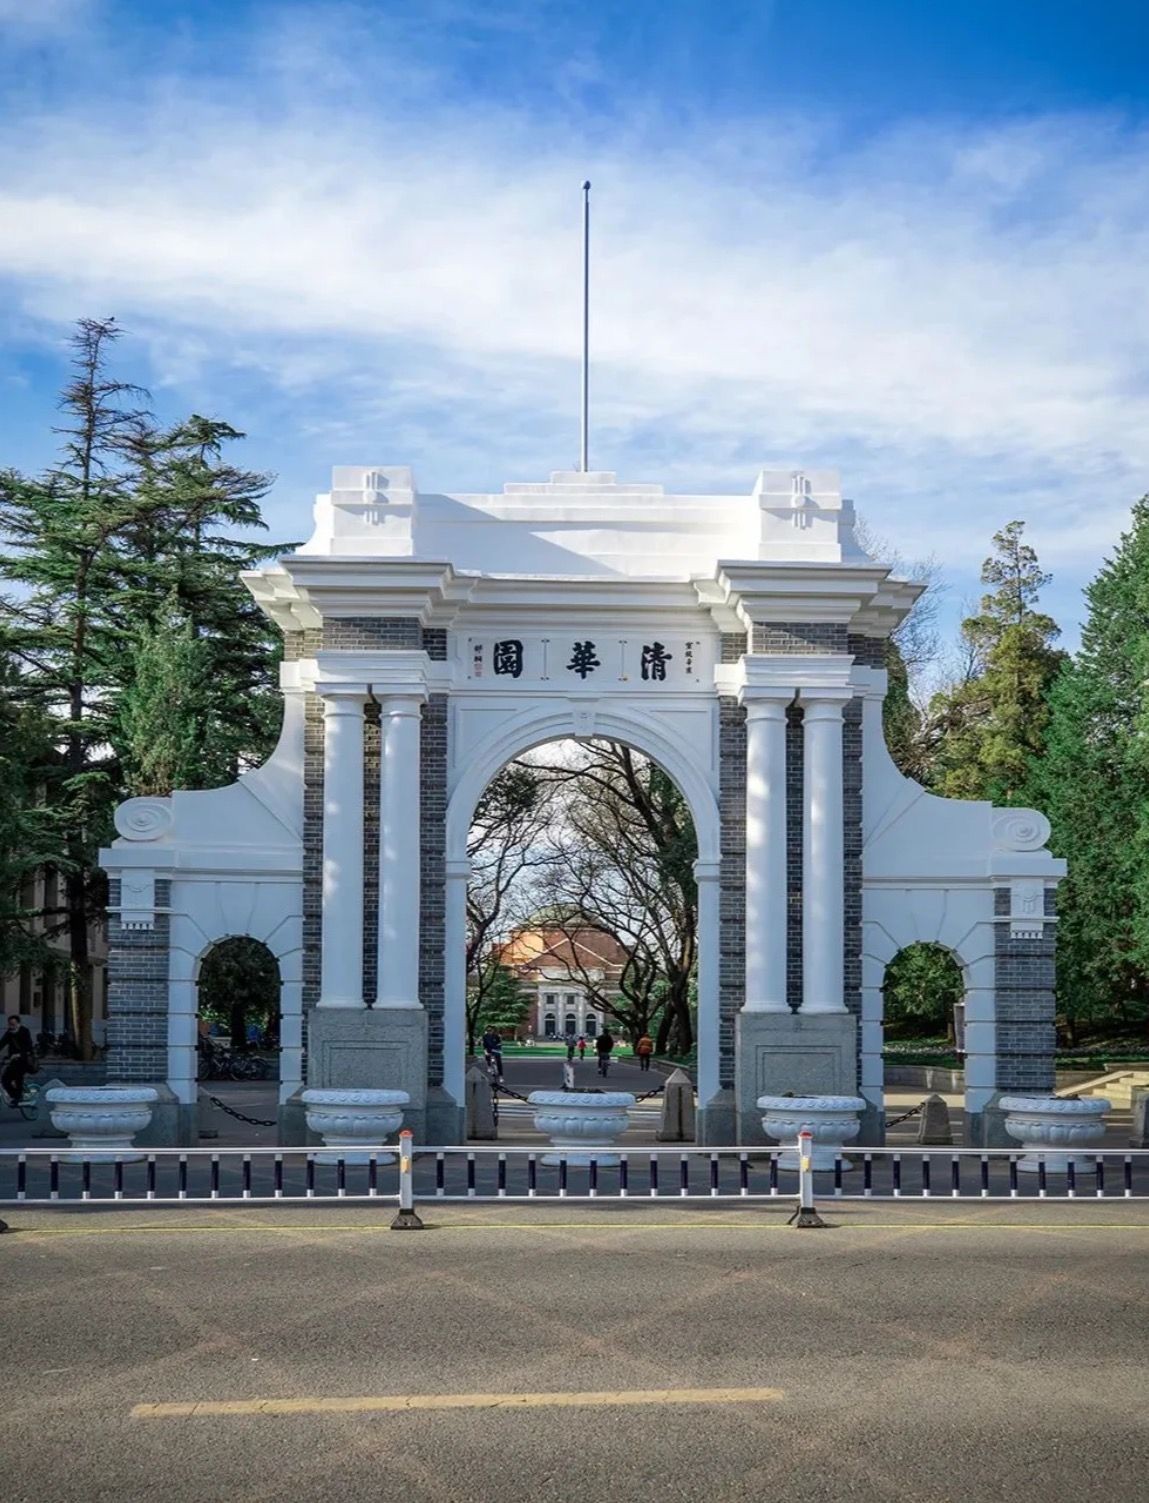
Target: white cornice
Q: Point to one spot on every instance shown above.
(782, 676)
(797, 591)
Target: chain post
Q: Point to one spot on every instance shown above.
(805, 1214)
(407, 1219)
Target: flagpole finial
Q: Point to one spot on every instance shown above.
(583, 465)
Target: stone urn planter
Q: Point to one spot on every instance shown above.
(103, 1117)
(1044, 1123)
(833, 1120)
(576, 1120)
(350, 1122)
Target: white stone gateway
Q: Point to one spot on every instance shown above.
(738, 640)
(103, 1118)
(576, 1120)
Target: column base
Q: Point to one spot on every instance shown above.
(716, 1122)
(807, 1054)
(371, 1049)
(986, 1129)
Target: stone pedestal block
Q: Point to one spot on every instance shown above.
(806, 1054)
(717, 1120)
(373, 1049)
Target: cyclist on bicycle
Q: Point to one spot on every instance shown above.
(493, 1049)
(16, 1042)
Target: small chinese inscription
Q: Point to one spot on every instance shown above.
(583, 659)
(507, 658)
(654, 660)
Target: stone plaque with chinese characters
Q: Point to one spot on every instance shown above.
(653, 660)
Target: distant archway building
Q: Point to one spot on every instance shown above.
(737, 640)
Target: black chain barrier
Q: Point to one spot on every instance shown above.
(239, 1116)
(905, 1117)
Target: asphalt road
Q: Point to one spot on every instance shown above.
(909, 1353)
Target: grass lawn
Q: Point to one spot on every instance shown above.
(534, 1050)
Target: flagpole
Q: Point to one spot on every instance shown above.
(585, 323)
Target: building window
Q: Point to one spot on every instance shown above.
(570, 1023)
(591, 1025)
(570, 999)
(551, 999)
(549, 1026)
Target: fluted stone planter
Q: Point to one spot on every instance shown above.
(1045, 1123)
(574, 1120)
(350, 1122)
(103, 1117)
(833, 1121)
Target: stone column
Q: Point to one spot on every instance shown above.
(823, 854)
(341, 971)
(455, 979)
(765, 855)
(398, 984)
(708, 874)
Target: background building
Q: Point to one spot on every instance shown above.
(566, 976)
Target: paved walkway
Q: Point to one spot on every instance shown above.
(910, 1354)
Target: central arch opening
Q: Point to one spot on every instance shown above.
(582, 929)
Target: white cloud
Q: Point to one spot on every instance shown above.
(959, 315)
(36, 19)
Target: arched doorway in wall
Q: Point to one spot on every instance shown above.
(580, 875)
(923, 993)
(239, 1008)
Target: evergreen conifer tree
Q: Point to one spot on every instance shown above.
(988, 728)
(1093, 783)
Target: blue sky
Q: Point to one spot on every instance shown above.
(901, 237)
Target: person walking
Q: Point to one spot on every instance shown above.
(604, 1047)
(643, 1050)
(16, 1042)
(581, 1047)
(572, 1044)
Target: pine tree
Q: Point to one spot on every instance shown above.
(169, 715)
(130, 519)
(61, 531)
(1093, 783)
(30, 834)
(988, 728)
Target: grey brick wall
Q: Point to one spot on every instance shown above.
(795, 764)
(798, 637)
(1023, 984)
(366, 632)
(732, 878)
(433, 876)
(372, 764)
(312, 845)
(138, 993)
(435, 643)
(733, 646)
(867, 652)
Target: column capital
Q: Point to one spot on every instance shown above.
(341, 698)
(459, 870)
(707, 871)
(406, 701)
(765, 704)
(824, 704)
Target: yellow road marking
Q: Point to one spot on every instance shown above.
(390, 1403)
(748, 1225)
